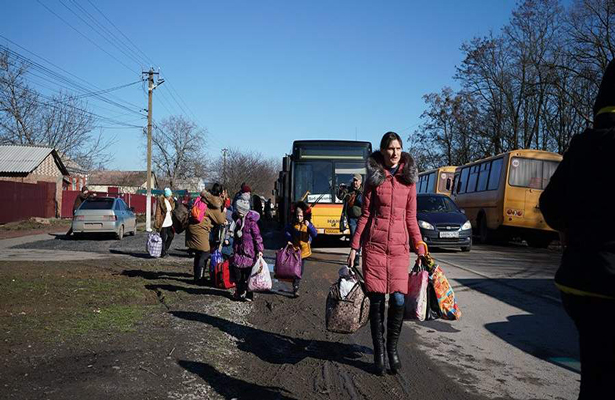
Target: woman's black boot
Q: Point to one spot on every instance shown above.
(395, 320)
(376, 320)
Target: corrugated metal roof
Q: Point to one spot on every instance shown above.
(22, 159)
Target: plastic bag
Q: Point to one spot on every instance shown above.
(416, 299)
(260, 278)
(154, 244)
(346, 285)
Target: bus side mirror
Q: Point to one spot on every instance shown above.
(448, 184)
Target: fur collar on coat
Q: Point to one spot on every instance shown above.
(376, 172)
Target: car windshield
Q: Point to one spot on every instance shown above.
(435, 204)
(97, 204)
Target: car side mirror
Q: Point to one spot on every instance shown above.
(463, 211)
(132, 209)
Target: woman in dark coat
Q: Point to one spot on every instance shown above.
(573, 204)
(387, 231)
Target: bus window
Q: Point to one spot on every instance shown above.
(494, 177)
(548, 169)
(472, 179)
(431, 183)
(463, 182)
(483, 177)
(525, 172)
(316, 178)
(444, 182)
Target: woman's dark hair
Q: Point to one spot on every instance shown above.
(388, 137)
(216, 189)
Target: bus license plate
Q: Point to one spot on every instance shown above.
(449, 234)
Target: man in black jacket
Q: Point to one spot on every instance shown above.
(574, 203)
(353, 201)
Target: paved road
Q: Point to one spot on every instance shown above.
(514, 339)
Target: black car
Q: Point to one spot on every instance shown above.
(442, 223)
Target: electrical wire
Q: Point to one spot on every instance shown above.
(85, 36)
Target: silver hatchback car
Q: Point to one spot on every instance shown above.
(104, 215)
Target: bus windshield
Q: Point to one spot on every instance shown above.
(344, 172)
(531, 173)
(317, 179)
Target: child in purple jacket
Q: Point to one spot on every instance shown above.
(247, 246)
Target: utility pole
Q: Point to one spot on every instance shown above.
(224, 151)
(150, 91)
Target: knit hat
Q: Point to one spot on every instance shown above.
(605, 101)
(242, 204)
(167, 192)
(245, 188)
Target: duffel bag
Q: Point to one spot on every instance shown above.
(346, 314)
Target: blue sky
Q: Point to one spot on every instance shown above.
(260, 74)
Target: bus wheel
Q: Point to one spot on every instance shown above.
(484, 234)
(538, 242)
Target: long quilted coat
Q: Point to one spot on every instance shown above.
(246, 247)
(388, 225)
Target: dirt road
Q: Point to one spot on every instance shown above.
(128, 327)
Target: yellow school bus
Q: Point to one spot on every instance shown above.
(313, 173)
(500, 195)
(439, 180)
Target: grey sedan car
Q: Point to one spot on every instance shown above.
(104, 215)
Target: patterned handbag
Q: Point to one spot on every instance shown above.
(347, 314)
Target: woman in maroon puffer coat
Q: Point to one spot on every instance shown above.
(386, 230)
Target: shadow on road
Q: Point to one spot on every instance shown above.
(191, 290)
(229, 387)
(281, 349)
(151, 275)
(546, 332)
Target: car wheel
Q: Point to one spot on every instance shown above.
(120, 233)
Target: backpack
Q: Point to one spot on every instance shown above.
(197, 213)
(180, 216)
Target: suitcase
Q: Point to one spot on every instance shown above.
(221, 275)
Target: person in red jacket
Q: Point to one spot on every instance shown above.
(387, 229)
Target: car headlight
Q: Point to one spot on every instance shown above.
(426, 225)
(466, 226)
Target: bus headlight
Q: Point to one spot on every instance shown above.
(426, 225)
(466, 226)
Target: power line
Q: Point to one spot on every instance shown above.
(122, 33)
(97, 30)
(85, 36)
(72, 84)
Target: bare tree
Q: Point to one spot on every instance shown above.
(178, 149)
(258, 172)
(60, 121)
(532, 85)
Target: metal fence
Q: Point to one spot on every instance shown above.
(21, 201)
